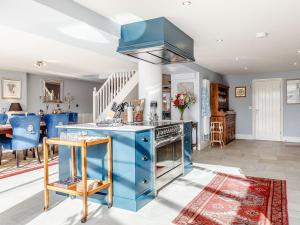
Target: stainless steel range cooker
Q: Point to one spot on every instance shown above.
(168, 153)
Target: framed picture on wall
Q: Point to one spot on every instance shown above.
(240, 91)
(293, 91)
(11, 89)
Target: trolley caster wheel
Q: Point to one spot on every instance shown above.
(109, 205)
(45, 209)
(83, 220)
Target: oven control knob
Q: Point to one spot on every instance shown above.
(144, 139)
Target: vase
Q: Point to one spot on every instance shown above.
(181, 114)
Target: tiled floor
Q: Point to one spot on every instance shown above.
(277, 160)
(21, 197)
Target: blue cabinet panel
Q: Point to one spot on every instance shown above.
(132, 166)
(143, 161)
(187, 127)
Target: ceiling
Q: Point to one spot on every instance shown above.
(236, 22)
(31, 31)
(20, 54)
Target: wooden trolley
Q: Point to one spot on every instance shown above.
(72, 190)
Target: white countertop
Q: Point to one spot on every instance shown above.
(92, 126)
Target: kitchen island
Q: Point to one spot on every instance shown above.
(134, 157)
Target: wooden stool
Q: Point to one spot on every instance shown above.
(216, 133)
(195, 127)
(72, 189)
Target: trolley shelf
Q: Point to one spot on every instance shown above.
(82, 143)
(72, 189)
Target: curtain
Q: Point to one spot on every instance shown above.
(205, 106)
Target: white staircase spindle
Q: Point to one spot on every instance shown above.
(103, 98)
(115, 85)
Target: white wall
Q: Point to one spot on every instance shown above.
(194, 73)
(150, 86)
(11, 75)
(193, 113)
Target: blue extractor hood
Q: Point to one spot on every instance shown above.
(157, 41)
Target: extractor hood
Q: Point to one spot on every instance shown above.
(157, 41)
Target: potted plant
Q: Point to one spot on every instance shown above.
(183, 101)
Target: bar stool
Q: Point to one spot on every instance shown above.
(216, 133)
(72, 190)
(195, 127)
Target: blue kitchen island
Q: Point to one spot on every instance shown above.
(133, 161)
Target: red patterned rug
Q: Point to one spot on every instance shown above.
(237, 200)
(12, 171)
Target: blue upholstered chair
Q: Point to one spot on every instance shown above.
(18, 114)
(53, 120)
(5, 143)
(26, 135)
(73, 117)
(3, 118)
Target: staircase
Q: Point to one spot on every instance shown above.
(115, 89)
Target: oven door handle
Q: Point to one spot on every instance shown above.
(168, 141)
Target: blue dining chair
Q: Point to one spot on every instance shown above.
(26, 135)
(3, 118)
(73, 117)
(53, 120)
(5, 143)
(18, 114)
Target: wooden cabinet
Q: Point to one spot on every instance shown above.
(228, 121)
(220, 110)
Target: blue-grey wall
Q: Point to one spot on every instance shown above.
(12, 75)
(291, 112)
(80, 89)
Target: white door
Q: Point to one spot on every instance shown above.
(267, 110)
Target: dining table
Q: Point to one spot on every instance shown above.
(7, 131)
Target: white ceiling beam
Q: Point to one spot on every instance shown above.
(83, 14)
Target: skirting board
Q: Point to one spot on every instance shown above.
(291, 139)
(250, 137)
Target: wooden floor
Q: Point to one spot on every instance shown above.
(267, 159)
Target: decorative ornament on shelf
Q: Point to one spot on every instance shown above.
(45, 99)
(183, 101)
(69, 99)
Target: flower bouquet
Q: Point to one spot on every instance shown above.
(183, 101)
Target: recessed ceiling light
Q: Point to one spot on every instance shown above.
(262, 34)
(40, 64)
(245, 68)
(298, 51)
(220, 40)
(295, 63)
(237, 58)
(186, 3)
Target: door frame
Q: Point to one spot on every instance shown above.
(281, 106)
